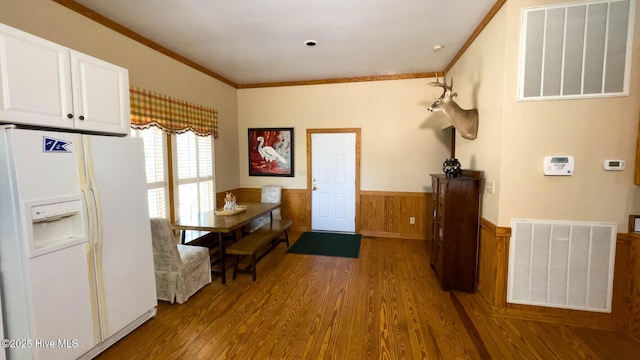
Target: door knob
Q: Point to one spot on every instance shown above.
(314, 188)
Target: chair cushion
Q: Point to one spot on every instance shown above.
(190, 253)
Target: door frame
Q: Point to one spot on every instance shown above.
(310, 132)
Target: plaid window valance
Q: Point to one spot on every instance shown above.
(170, 114)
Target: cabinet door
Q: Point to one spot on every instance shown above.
(101, 95)
(35, 80)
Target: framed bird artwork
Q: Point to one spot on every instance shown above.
(271, 152)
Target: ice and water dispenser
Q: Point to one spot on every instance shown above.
(56, 224)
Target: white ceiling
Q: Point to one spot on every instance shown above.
(262, 41)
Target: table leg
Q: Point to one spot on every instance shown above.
(224, 272)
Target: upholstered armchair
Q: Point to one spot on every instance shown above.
(181, 270)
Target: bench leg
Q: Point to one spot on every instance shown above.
(253, 266)
(235, 267)
(285, 240)
(277, 241)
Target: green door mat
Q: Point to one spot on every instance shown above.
(327, 244)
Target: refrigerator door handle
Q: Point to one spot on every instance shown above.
(94, 248)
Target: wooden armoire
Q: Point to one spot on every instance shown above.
(456, 229)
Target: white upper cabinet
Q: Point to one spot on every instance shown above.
(100, 95)
(35, 75)
(45, 84)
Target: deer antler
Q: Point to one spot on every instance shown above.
(437, 83)
(443, 84)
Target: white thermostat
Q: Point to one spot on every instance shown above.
(558, 165)
(614, 164)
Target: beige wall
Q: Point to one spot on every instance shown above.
(479, 81)
(148, 69)
(401, 142)
(591, 130)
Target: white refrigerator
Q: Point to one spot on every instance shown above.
(76, 262)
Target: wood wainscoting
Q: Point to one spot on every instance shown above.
(387, 214)
(382, 213)
(625, 309)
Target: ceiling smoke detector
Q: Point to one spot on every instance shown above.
(311, 43)
(437, 47)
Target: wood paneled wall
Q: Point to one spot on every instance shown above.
(492, 263)
(387, 214)
(383, 214)
(625, 312)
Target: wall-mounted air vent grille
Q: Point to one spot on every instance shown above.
(576, 50)
(562, 264)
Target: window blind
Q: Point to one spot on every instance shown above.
(195, 174)
(156, 169)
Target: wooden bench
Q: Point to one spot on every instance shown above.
(258, 243)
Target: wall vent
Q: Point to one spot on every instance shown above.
(562, 264)
(576, 50)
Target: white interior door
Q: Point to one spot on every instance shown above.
(333, 181)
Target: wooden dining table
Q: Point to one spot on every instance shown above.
(224, 224)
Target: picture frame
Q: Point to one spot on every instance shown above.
(271, 152)
(634, 223)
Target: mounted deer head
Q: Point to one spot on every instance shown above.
(465, 121)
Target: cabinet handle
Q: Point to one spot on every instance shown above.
(70, 116)
(81, 117)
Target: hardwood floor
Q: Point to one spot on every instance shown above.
(385, 305)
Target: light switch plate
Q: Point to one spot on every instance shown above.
(490, 187)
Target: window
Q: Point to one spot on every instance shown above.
(177, 136)
(194, 174)
(192, 163)
(156, 168)
(576, 50)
